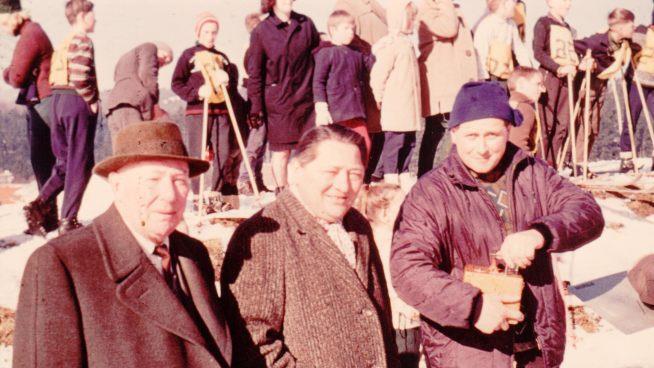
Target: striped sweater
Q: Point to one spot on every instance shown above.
(81, 69)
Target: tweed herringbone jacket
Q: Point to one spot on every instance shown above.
(294, 301)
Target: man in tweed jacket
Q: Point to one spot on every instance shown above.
(302, 279)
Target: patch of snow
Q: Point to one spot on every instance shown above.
(621, 245)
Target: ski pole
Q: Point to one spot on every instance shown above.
(239, 139)
(572, 130)
(586, 123)
(561, 155)
(203, 145)
(630, 124)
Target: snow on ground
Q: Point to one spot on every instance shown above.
(626, 239)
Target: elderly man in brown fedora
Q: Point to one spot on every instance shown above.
(127, 290)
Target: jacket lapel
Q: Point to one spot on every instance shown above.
(320, 241)
(139, 286)
(204, 301)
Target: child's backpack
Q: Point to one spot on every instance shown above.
(59, 64)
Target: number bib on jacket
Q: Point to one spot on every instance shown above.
(562, 48)
(208, 63)
(59, 64)
(500, 59)
(646, 59)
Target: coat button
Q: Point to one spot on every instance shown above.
(468, 53)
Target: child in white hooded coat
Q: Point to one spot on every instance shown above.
(395, 82)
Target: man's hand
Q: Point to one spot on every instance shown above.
(588, 63)
(562, 71)
(519, 249)
(495, 315)
(255, 120)
(323, 117)
(204, 92)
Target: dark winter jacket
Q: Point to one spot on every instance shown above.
(92, 298)
(280, 69)
(541, 42)
(339, 79)
(30, 65)
(447, 222)
(136, 78)
(187, 80)
(601, 50)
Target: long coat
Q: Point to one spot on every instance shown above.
(447, 56)
(294, 300)
(340, 79)
(280, 69)
(30, 64)
(448, 221)
(92, 298)
(135, 79)
(395, 82)
(371, 26)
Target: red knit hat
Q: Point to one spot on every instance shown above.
(202, 19)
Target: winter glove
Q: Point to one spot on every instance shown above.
(221, 77)
(204, 91)
(255, 120)
(323, 117)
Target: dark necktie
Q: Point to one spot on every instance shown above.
(166, 264)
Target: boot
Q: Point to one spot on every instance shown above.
(35, 217)
(626, 166)
(580, 173)
(245, 188)
(626, 163)
(68, 225)
(51, 218)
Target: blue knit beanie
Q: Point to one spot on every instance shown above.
(482, 100)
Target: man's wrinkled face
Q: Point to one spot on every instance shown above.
(329, 184)
(481, 143)
(152, 196)
(208, 34)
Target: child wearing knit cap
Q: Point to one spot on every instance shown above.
(191, 85)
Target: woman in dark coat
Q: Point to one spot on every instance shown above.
(281, 71)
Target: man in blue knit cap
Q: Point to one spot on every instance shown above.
(488, 198)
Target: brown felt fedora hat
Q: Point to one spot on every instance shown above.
(147, 140)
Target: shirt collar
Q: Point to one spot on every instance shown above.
(323, 223)
(146, 244)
